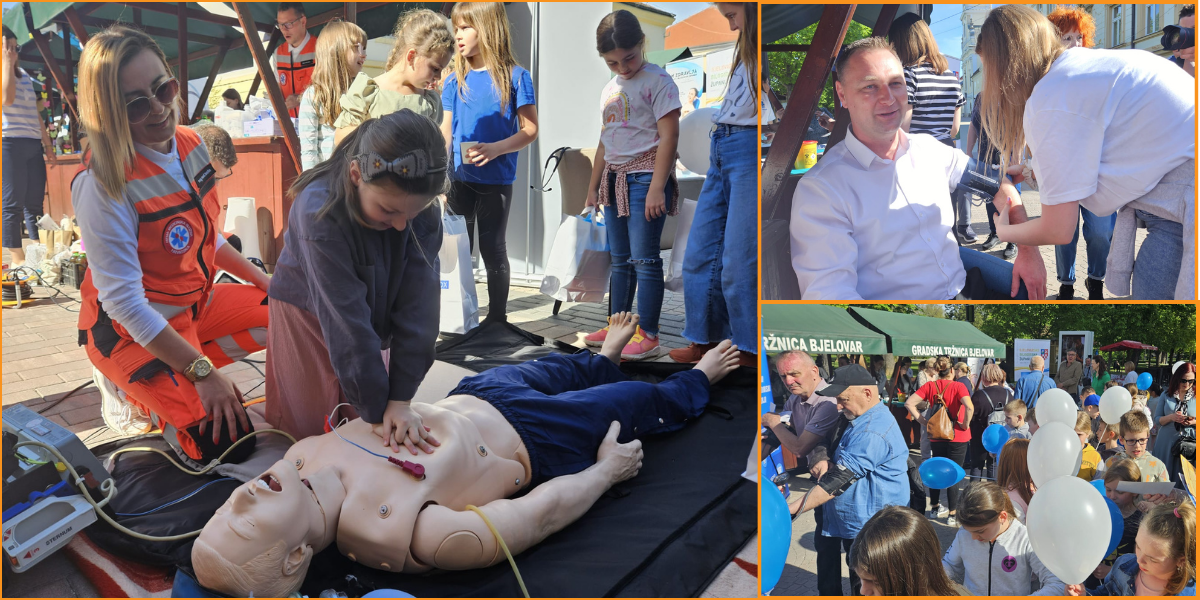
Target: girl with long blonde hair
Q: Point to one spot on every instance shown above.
(490, 115)
(720, 267)
(152, 320)
(423, 47)
(341, 52)
(1082, 116)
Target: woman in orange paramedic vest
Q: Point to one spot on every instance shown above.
(152, 321)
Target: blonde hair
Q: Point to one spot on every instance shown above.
(1123, 470)
(331, 76)
(1017, 45)
(915, 44)
(264, 576)
(963, 367)
(489, 20)
(422, 30)
(992, 373)
(1083, 423)
(102, 106)
(1016, 407)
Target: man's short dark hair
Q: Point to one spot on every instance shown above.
(8, 33)
(1187, 11)
(869, 43)
(218, 142)
(296, 6)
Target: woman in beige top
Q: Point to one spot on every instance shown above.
(424, 45)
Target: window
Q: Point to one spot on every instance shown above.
(1153, 21)
(1118, 33)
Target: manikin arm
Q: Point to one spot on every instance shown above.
(457, 540)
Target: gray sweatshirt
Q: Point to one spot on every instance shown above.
(1005, 567)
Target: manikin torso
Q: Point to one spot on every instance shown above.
(481, 459)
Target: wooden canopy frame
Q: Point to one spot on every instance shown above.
(76, 18)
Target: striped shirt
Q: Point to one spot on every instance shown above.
(21, 120)
(933, 99)
(316, 139)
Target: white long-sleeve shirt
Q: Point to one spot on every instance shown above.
(110, 232)
(864, 227)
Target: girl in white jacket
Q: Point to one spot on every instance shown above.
(991, 555)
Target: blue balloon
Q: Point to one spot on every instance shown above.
(1099, 485)
(1118, 526)
(776, 536)
(387, 594)
(1144, 381)
(940, 473)
(994, 437)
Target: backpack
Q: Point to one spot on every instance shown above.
(940, 426)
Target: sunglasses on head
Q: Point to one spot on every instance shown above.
(139, 108)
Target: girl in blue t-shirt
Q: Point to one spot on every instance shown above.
(489, 116)
(634, 175)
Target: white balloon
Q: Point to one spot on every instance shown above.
(1056, 405)
(1052, 453)
(1115, 402)
(1069, 527)
(694, 130)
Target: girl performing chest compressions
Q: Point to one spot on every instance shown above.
(152, 320)
(358, 275)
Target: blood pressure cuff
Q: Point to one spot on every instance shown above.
(837, 480)
(980, 178)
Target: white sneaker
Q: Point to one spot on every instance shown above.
(943, 511)
(931, 514)
(120, 415)
(951, 521)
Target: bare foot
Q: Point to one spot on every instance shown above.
(621, 328)
(719, 362)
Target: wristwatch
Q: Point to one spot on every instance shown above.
(199, 369)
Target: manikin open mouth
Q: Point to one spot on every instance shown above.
(269, 482)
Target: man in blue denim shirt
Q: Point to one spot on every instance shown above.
(868, 469)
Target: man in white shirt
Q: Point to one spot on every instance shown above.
(874, 220)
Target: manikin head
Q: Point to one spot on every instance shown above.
(262, 539)
(798, 372)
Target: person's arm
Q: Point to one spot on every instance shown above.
(664, 165)
(799, 445)
(598, 167)
(309, 131)
(448, 132)
(10, 77)
(1051, 584)
(824, 251)
(912, 404)
(952, 562)
(229, 259)
(814, 498)
(970, 412)
(972, 137)
(414, 329)
(451, 539)
(957, 122)
(1012, 225)
(483, 153)
(48, 147)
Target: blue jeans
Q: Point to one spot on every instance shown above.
(1097, 232)
(720, 269)
(562, 406)
(635, 245)
(997, 272)
(24, 188)
(1156, 269)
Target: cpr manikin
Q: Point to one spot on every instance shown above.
(413, 517)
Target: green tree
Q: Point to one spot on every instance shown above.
(785, 66)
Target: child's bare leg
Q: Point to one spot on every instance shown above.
(621, 328)
(719, 362)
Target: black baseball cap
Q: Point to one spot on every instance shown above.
(847, 376)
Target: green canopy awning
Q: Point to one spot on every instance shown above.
(915, 335)
(662, 57)
(817, 329)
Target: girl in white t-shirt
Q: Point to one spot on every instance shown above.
(634, 172)
(1108, 130)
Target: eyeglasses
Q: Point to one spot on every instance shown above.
(1137, 442)
(289, 25)
(1190, 381)
(139, 108)
(226, 176)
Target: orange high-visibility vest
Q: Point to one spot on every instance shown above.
(176, 232)
(295, 77)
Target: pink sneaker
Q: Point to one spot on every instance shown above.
(641, 347)
(596, 338)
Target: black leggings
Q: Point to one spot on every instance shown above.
(955, 451)
(488, 205)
